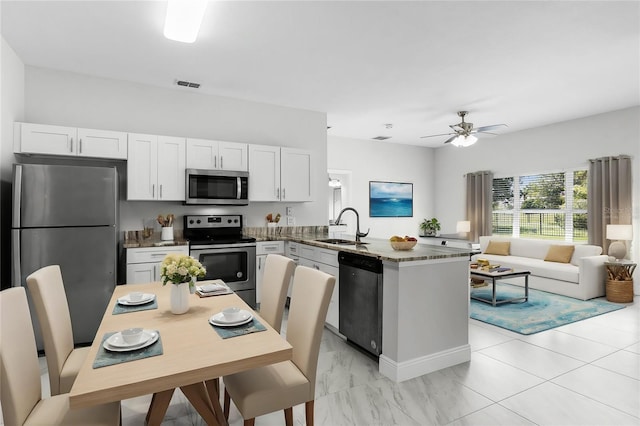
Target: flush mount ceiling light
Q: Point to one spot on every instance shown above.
(464, 141)
(183, 19)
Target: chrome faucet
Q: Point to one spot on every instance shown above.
(358, 233)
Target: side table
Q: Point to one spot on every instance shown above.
(619, 286)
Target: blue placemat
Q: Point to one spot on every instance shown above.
(105, 357)
(123, 309)
(252, 326)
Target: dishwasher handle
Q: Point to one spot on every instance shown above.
(367, 263)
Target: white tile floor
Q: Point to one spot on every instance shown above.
(585, 373)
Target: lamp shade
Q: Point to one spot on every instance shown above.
(464, 141)
(620, 232)
(463, 226)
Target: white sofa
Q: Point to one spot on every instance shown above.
(582, 278)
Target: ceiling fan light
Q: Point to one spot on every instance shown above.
(183, 19)
(464, 141)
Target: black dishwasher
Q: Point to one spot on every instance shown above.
(361, 301)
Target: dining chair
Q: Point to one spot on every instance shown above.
(275, 284)
(50, 302)
(281, 386)
(21, 396)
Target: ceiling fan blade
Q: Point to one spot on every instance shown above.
(451, 138)
(489, 128)
(442, 134)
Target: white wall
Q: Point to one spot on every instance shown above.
(383, 161)
(11, 109)
(568, 144)
(63, 98)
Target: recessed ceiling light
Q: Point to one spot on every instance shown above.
(183, 19)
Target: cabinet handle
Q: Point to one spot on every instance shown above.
(278, 193)
(158, 254)
(215, 162)
(259, 263)
(221, 162)
(153, 190)
(71, 145)
(283, 193)
(80, 146)
(160, 191)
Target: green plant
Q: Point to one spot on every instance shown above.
(430, 227)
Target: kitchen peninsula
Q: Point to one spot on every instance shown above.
(425, 315)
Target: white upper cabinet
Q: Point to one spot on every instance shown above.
(279, 174)
(264, 173)
(156, 168)
(216, 155)
(47, 139)
(295, 174)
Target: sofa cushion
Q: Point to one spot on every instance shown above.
(559, 253)
(498, 247)
(524, 247)
(583, 250)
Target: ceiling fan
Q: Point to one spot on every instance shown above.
(463, 132)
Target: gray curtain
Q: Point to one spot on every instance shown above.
(608, 196)
(479, 199)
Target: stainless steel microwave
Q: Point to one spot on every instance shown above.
(217, 187)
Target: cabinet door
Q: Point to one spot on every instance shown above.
(46, 139)
(333, 312)
(296, 175)
(142, 273)
(264, 173)
(260, 260)
(102, 144)
(171, 168)
(233, 156)
(142, 167)
(202, 154)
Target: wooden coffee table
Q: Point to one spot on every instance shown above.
(496, 276)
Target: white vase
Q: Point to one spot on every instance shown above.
(180, 298)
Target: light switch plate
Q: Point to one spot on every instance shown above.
(291, 221)
(289, 211)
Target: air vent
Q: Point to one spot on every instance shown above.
(381, 138)
(188, 84)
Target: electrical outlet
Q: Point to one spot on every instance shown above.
(291, 221)
(289, 211)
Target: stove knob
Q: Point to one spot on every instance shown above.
(198, 221)
(235, 220)
(191, 222)
(228, 220)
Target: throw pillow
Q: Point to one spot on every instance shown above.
(560, 253)
(500, 248)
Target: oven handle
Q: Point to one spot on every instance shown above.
(239, 186)
(220, 246)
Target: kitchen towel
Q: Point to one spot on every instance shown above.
(123, 309)
(105, 357)
(252, 326)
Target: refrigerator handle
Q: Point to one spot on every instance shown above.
(15, 266)
(17, 194)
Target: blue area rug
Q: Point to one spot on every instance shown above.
(541, 312)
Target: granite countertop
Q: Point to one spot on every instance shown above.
(376, 247)
(155, 242)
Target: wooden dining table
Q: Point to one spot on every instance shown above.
(193, 355)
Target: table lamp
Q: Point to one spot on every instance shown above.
(619, 233)
(463, 226)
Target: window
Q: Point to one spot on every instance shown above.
(546, 205)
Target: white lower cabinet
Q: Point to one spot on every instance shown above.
(143, 264)
(264, 248)
(324, 260)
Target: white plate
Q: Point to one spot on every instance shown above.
(146, 298)
(219, 319)
(117, 340)
(153, 337)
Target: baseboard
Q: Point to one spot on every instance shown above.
(401, 371)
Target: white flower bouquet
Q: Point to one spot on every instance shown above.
(180, 268)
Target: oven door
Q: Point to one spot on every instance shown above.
(235, 264)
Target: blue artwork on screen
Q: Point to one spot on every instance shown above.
(390, 199)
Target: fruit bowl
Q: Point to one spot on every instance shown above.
(403, 245)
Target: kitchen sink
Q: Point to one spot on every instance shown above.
(339, 241)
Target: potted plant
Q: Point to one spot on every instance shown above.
(180, 270)
(430, 227)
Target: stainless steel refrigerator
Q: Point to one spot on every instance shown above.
(67, 215)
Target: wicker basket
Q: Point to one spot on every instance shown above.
(620, 291)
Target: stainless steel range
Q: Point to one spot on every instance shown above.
(217, 242)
